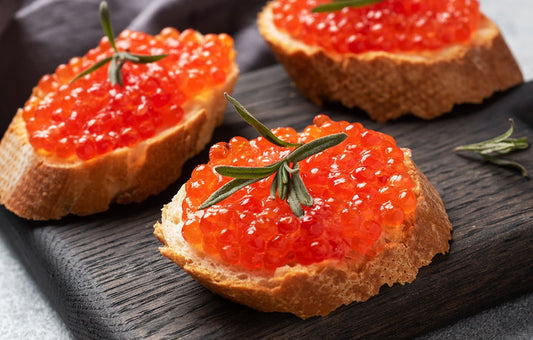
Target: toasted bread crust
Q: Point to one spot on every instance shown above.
(319, 288)
(39, 187)
(389, 85)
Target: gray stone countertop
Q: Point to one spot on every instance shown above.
(26, 314)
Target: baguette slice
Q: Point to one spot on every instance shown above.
(319, 288)
(41, 187)
(388, 85)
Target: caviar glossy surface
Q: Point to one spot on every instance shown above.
(89, 117)
(359, 187)
(391, 25)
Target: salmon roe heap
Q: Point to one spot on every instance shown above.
(89, 117)
(390, 25)
(360, 187)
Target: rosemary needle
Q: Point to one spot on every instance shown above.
(287, 183)
(118, 59)
(500, 145)
(338, 5)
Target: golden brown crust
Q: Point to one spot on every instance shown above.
(388, 85)
(39, 187)
(318, 289)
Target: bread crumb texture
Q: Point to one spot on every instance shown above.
(319, 288)
(387, 85)
(38, 187)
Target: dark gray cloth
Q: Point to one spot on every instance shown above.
(42, 34)
(38, 35)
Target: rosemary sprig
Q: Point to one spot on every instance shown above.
(287, 183)
(118, 59)
(499, 145)
(340, 4)
(263, 130)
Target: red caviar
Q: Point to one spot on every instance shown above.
(390, 25)
(359, 187)
(89, 117)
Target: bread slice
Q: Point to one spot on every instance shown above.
(319, 288)
(388, 85)
(41, 187)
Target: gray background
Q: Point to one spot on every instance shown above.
(25, 312)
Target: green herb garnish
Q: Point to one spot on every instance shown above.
(500, 145)
(287, 184)
(118, 59)
(340, 4)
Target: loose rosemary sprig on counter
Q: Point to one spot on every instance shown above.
(118, 59)
(287, 184)
(340, 4)
(499, 145)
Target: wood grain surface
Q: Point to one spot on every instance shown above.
(106, 278)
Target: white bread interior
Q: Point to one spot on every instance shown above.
(388, 85)
(43, 187)
(319, 288)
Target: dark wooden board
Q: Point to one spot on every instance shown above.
(105, 276)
